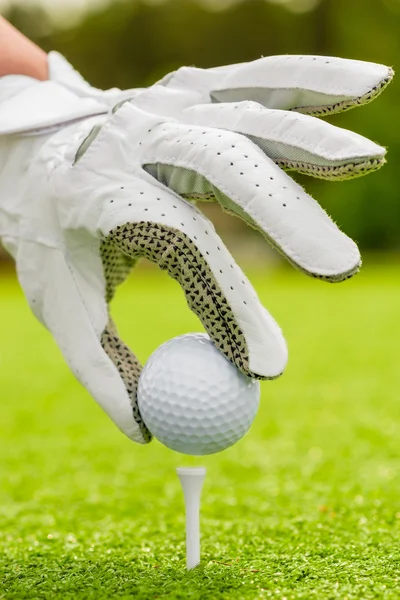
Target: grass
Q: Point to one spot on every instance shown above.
(306, 506)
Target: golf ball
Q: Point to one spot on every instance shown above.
(193, 399)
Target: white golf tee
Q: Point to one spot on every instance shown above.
(192, 481)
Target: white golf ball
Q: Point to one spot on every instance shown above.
(193, 399)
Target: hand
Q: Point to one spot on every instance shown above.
(86, 190)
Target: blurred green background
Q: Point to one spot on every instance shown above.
(307, 504)
(134, 43)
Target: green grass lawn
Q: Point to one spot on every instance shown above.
(307, 505)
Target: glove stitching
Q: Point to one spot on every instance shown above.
(344, 172)
(345, 105)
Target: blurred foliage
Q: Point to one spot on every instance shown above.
(134, 43)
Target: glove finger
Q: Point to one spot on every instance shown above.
(116, 268)
(147, 220)
(207, 163)
(129, 369)
(65, 290)
(294, 141)
(315, 85)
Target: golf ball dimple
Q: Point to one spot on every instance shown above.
(192, 399)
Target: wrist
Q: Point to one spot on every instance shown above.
(34, 66)
(20, 56)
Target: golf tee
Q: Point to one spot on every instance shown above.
(192, 481)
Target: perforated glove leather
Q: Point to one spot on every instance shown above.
(91, 181)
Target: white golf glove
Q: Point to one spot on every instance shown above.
(90, 181)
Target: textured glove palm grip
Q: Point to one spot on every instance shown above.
(174, 252)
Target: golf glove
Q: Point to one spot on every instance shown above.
(91, 181)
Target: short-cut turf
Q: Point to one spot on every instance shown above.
(306, 506)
